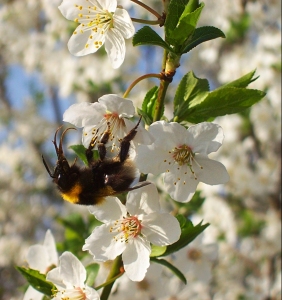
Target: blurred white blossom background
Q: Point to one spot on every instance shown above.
(239, 255)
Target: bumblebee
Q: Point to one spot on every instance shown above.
(101, 178)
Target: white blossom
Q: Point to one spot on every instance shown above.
(129, 230)
(101, 22)
(69, 278)
(41, 258)
(183, 156)
(111, 111)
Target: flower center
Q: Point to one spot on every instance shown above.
(111, 125)
(183, 156)
(96, 19)
(71, 294)
(126, 228)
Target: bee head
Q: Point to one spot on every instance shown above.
(63, 173)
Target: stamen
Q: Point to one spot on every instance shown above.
(76, 293)
(184, 156)
(126, 229)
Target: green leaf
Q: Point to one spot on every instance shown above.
(241, 82)
(188, 233)
(175, 10)
(146, 118)
(157, 250)
(80, 152)
(194, 103)
(149, 104)
(76, 231)
(238, 28)
(186, 26)
(190, 88)
(192, 206)
(92, 272)
(181, 22)
(75, 223)
(221, 102)
(192, 5)
(147, 36)
(172, 268)
(202, 35)
(37, 281)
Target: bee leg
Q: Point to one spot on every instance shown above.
(89, 152)
(104, 140)
(125, 142)
(101, 145)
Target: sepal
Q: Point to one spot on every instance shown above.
(37, 281)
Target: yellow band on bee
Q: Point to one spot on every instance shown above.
(73, 194)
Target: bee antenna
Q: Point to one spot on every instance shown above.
(47, 168)
(59, 150)
(61, 139)
(55, 140)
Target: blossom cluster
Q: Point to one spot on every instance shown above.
(244, 237)
(129, 230)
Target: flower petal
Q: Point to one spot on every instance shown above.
(136, 258)
(207, 137)
(144, 200)
(50, 245)
(55, 277)
(142, 136)
(152, 159)
(123, 23)
(115, 47)
(82, 114)
(83, 42)
(115, 104)
(213, 172)
(109, 5)
(110, 209)
(161, 229)
(70, 10)
(180, 190)
(91, 294)
(71, 270)
(38, 258)
(33, 294)
(102, 245)
(167, 135)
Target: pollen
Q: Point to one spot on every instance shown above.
(126, 229)
(184, 156)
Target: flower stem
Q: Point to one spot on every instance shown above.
(108, 282)
(115, 271)
(156, 22)
(152, 11)
(139, 79)
(160, 101)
